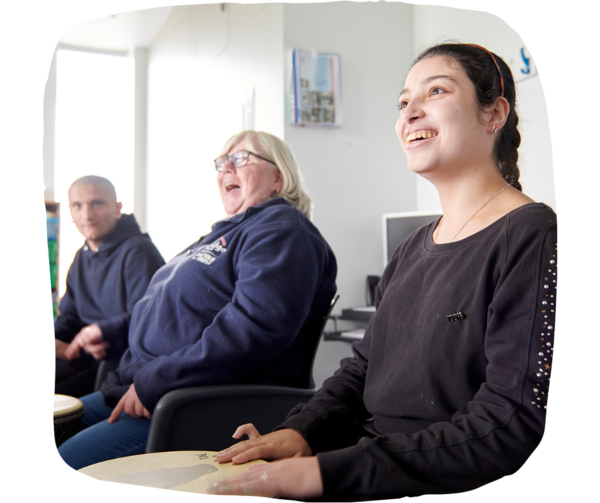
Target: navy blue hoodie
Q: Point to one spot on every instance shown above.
(103, 286)
(243, 304)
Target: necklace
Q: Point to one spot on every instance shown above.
(471, 217)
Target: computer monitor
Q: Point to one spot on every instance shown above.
(398, 226)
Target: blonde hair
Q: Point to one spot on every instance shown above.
(271, 147)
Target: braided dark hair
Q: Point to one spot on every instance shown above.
(482, 71)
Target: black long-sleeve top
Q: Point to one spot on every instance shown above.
(448, 406)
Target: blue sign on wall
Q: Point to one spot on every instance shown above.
(524, 66)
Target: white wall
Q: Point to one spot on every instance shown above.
(357, 172)
(437, 24)
(49, 136)
(354, 174)
(202, 65)
(140, 188)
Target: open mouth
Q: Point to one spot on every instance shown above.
(231, 186)
(418, 136)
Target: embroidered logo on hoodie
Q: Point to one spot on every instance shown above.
(207, 254)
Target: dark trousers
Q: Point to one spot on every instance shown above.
(75, 377)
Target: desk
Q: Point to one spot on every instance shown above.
(358, 313)
(361, 314)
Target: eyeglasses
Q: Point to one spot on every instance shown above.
(239, 159)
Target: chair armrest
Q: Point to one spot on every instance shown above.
(205, 418)
(104, 367)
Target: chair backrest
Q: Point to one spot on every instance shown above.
(205, 417)
(104, 368)
(324, 324)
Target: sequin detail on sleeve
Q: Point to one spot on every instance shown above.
(545, 342)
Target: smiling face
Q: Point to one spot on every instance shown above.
(250, 185)
(94, 210)
(440, 126)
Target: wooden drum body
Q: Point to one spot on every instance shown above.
(68, 412)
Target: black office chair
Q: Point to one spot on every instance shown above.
(205, 417)
(104, 367)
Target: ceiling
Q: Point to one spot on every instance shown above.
(120, 32)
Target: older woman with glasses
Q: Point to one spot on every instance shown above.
(243, 304)
(262, 178)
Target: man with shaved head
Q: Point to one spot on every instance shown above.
(109, 274)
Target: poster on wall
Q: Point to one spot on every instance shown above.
(522, 65)
(316, 97)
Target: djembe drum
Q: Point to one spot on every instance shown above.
(68, 412)
(189, 471)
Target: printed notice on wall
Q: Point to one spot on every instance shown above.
(317, 88)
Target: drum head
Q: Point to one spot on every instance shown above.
(64, 405)
(189, 471)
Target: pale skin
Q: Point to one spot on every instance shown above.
(89, 339)
(458, 159)
(131, 404)
(250, 185)
(94, 210)
(438, 96)
(61, 347)
(295, 475)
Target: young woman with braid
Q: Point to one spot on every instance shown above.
(448, 389)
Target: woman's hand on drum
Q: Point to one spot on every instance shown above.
(131, 404)
(90, 340)
(281, 444)
(298, 478)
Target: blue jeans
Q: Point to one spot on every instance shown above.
(100, 441)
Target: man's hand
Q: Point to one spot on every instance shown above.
(131, 404)
(90, 340)
(61, 347)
